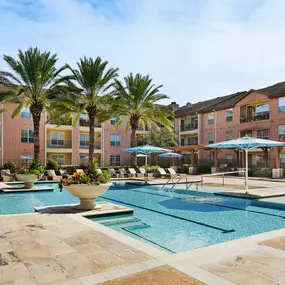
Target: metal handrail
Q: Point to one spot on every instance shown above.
(219, 174)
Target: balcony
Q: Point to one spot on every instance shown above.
(260, 116)
(189, 127)
(85, 145)
(85, 123)
(193, 141)
(60, 122)
(59, 144)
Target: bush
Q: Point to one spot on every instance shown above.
(10, 165)
(260, 172)
(204, 169)
(52, 165)
(71, 168)
(37, 167)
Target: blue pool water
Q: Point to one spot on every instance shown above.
(172, 220)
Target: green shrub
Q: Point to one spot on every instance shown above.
(204, 169)
(52, 165)
(35, 166)
(10, 165)
(260, 172)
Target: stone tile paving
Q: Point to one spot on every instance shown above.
(53, 249)
(164, 275)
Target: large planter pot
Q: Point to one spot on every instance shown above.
(87, 194)
(28, 179)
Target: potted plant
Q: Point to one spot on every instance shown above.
(28, 176)
(87, 187)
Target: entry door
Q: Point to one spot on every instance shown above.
(182, 142)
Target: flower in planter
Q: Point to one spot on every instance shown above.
(91, 178)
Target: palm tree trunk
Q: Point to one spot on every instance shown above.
(133, 144)
(36, 122)
(91, 136)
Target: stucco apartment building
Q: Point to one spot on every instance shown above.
(258, 113)
(63, 143)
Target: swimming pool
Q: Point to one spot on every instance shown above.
(174, 221)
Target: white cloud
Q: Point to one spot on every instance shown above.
(196, 49)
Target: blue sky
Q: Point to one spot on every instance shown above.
(198, 49)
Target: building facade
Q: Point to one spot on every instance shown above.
(257, 113)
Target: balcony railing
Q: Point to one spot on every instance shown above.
(84, 123)
(59, 144)
(85, 145)
(255, 117)
(263, 137)
(189, 127)
(64, 122)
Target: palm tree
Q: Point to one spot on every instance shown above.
(32, 84)
(91, 83)
(138, 101)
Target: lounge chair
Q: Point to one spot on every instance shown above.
(162, 173)
(173, 173)
(4, 186)
(51, 175)
(113, 173)
(133, 173)
(142, 171)
(123, 172)
(6, 175)
(63, 173)
(99, 171)
(80, 171)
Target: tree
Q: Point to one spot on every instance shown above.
(32, 84)
(88, 93)
(160, 138)
(138, 100)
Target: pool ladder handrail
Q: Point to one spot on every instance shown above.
(171, 181)
(174, 183)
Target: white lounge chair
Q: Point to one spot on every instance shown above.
(162, 173)
(173, 173)
(64, 173)
(113, 173)
(6, 175)
(80, 171)
(133, 173)
(99, 171)
(123, 172)
(51, 175)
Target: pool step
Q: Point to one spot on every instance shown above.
(112, 217)
(118, 221)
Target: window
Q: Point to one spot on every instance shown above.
(25, 113)
(211, 117)
(115, 140)
(210, 138)
(114, 121)
(281, 132)
(182, 142)
(193, 140)
(84, 140)
(229, 135)
(115, 160)
(229, 159)
(229, 115)
(262, 134)
(57, 138)
(59, 158)
(261, 108)
(282, 159)
(260, 160)
(27, 136)
(247, 133)
(84, 117)
(84, 159)
(26, 159)
(281, 104)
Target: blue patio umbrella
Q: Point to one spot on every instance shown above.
(146, 149)
(246, 143)
(171, 155)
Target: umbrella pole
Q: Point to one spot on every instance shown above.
(146, 160)
(246, 171)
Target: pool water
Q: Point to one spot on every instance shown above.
(174, 221)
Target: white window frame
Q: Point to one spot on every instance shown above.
(52, 157)
(51, 139)
(115, 158)
(86, 142)
(117, 142)
(28, 136)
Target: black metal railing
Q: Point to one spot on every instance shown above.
(85, 145)
(59, 144)
(260, 116)
(189, 127)
(62, 121)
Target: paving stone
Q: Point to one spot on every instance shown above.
(164, 275)
(13, 272)
(47, 270)
(93, 279)
(77, 265)
(8, 258)
(5, 247)
(22, 281)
